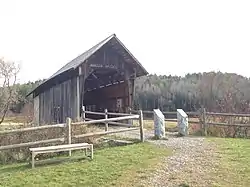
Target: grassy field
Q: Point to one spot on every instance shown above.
(234, 166)
(114, 166)
(17, 119)
(149, 124)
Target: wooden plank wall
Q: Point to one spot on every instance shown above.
(36, 110)
(109, 59)
(58, 102)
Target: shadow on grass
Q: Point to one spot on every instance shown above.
(184, 185)
(41, 163)
(157, 138)
(14, 168)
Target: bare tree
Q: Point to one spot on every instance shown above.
(8, 76)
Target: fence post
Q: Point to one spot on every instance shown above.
(141, 125)
(83, 113)
(204, 121)
(130, 112)
(68, 125)
(106, 117)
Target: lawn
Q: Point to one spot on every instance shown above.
(113, 166)
(234, 166)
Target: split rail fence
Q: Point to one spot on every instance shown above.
(203, 118)
(116, 120)
(67, 139)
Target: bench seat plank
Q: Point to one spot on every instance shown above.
(67, 146)
(61, 149)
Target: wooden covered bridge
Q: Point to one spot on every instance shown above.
(102, 77)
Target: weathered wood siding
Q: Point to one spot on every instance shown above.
(108, 58)
(58, 102)
(36, 110)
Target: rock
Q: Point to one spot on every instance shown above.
(159, 124)
(182, 122)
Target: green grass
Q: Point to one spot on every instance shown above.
(149, 124)
(234, 166)
(114, 166)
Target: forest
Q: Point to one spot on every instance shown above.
(216, 91)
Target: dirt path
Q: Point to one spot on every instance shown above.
(191, 164)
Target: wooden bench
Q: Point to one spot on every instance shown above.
(59, 148)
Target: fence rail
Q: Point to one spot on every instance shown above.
(167, 113)
(198, 113)
(96, 113)
(32, 128)
(107, 120)
(227, 114)
(31, 143)
(119, 114)
(228, 124)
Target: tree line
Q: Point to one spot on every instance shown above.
(216, 91)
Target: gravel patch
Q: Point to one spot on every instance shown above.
(191, 164)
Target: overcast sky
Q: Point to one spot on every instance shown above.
(167, 37)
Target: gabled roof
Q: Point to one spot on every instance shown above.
(75, 63)
(81, 58)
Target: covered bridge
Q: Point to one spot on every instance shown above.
(102, 77)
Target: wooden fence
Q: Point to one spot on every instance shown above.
(68, 135)
(116, 120)
(202, 118)
(210, 119)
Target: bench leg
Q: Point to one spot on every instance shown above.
(85, 150)
(33, 160)
(91, 150)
